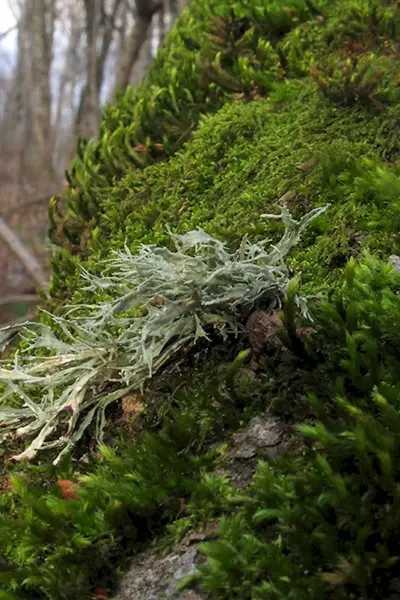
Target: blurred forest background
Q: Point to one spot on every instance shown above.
(60, 62)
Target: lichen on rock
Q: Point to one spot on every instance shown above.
(250, 108)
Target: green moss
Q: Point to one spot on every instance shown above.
(326, 519)
(59, 547)
(240, 160)
(248, 104)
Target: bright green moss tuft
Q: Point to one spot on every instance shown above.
(233, 83)
(244, 161)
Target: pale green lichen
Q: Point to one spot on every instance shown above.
(162, 301)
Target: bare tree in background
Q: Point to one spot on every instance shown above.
(100, 29)
(71, 56)
(64, 97)
(144, 12)
(39, 26)
(89, 112)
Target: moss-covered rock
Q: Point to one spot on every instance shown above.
(282, 102)
(249, 106)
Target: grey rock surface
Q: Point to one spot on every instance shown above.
(155, 577)
(152, 577)
(263, 437)
(262, 433)
(395, 261)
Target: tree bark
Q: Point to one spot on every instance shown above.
(41, 33)
(161, 23)
(65, 104)
(109, 28)
(14, 298)
(88, 116)
(145, 9)
(26, 124)
(14, 118)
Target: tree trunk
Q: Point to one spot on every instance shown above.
(161, 23)
(88, 114)
(109, 28)
(14, 118)
(41, 31)
(145, 10)
(65, 103)
(89, 109)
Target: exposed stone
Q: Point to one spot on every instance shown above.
(153, 577)
(262, 433)
(195, 537)
(264, 436)
(286, 198)
(240, 472)
(395, 261)
(261, 329)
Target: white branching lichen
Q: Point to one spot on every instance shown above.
(162, 301)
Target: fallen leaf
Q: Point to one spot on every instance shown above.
(289, 11)
(174, 504)
(335, 578)
(133, 404)
(341, 576)
(68, 489)
(183, 208)
(158, 301)
(305, 331)
(261, 329)
(306, 166)
(5, 484)
(100, 594)
(287, 196)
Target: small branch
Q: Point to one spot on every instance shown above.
(136, 38)
(26, 257)
(13, 298)
(9, 331)
(5, 33)
(6, 329)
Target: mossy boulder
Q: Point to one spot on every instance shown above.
(249, 106)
